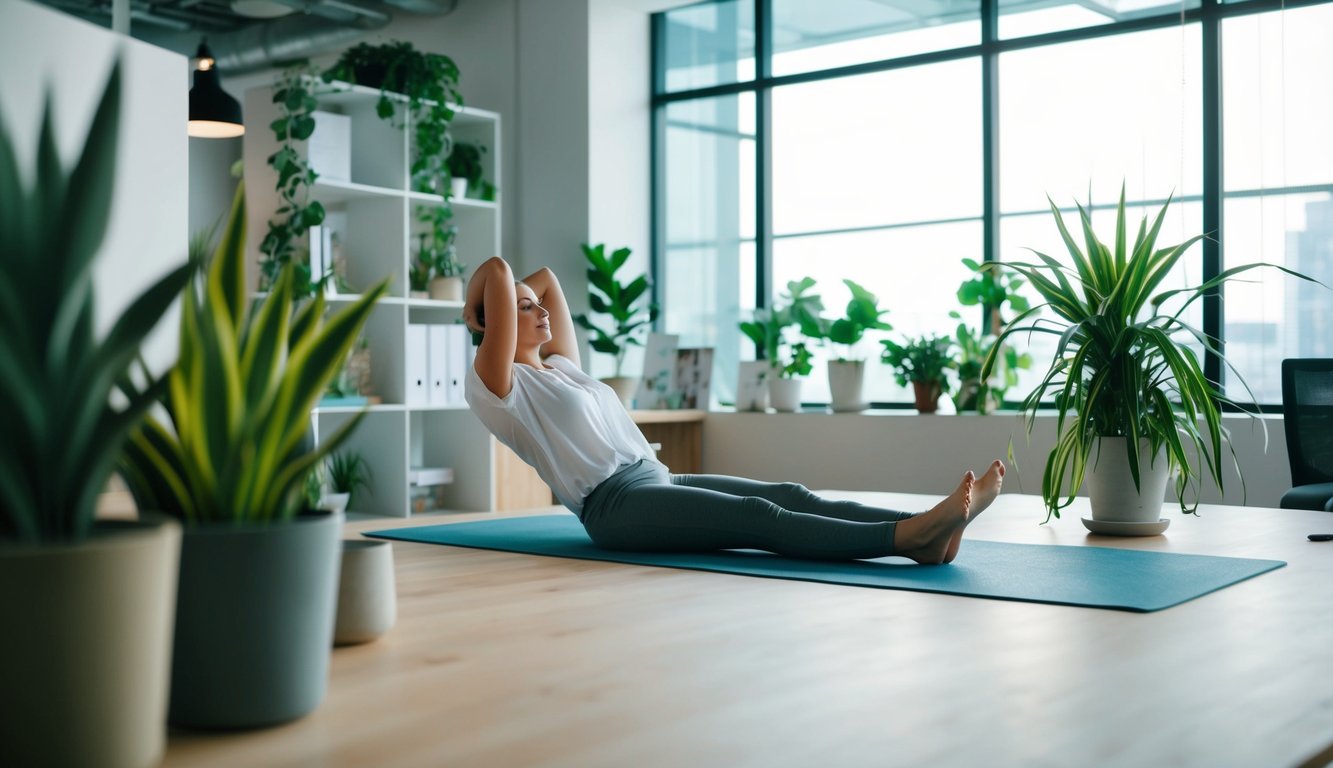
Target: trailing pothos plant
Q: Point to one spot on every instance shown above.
(428, 81)
(62, 428)
(238, 402)
(796, 308)
(296, 213)
(1123, 365)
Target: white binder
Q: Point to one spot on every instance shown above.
(459, 359)
(417, 357)
(440, 375)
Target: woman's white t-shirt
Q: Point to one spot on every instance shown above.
(570, 427)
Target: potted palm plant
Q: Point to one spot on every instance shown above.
(846, 373)
(1129, 391)
(88, 604)
(922, 362)
(789, 361)
(231, 462)
(628, 307)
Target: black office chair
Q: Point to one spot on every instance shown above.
(1307, 408)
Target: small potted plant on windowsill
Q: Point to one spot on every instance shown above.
(626, 304)
(921, 362)
(994, 288)
(846, 373)
(789, 362)
(1133, 402)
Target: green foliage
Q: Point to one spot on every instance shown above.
(62, 430)
(622, 302)
(438, 255)
(429, 81)
(1121, 366)
(296, 213)
(862, 314)
(465, 163)
(348, 470)
(238, 401)
(924, 359)
(798, 309)
(994, 288)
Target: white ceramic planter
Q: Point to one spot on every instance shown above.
(784, 394)
(86, 650)
(367, 597)
(846, 380)
(1111, 490)
(447, 289)
(458, 188)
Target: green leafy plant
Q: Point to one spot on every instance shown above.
(296, 212)
(862, 314)
(994, 288)
(627, 304)
(428, 81)
(348, 470)
(919, 359)
(438, 251)
(62, 429)
(465, 163)
(797, 308)
(239, 399)
(1122, 366)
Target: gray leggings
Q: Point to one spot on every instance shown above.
(645, 508)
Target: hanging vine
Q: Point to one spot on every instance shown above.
(297, 213)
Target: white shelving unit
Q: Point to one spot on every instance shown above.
(374, 215)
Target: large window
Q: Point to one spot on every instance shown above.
(885, 143)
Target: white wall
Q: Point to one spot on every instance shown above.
(147, 234)
(911, 453)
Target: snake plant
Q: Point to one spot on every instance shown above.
(239, 399)
(62, 428)
(1123, 365)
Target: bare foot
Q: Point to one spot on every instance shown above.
(984, 492)
(926, 537)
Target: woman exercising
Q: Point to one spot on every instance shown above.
(528, 389)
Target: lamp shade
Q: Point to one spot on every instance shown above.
(214, 114)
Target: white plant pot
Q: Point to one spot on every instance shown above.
(458, 188)
(367, 599)
(846, 379)
(335, 502)
(784, 394)
(1111, 490)
(86, 650)
(447, 288)
(626, 387)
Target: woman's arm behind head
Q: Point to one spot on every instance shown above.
(491, 306)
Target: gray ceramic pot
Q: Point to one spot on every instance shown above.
(254, 621)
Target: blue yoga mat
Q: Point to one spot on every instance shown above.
(1095, 577)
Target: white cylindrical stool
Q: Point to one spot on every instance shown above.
(367, 598)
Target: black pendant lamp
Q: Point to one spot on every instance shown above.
(213, 113)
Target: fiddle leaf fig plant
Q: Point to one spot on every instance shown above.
(768, 329)
(623, 303)
(1123, 365)
(62, 428)
(862, 314)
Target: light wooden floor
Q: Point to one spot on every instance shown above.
(502, 659)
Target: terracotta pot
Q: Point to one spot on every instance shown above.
(927, 395)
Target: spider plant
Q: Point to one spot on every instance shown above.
(348, 470)
(1122, 366)
(239, 399)
(62, 428)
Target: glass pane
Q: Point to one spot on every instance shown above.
(1276, 102)
(707, 274)
(1271, 315)
(834, 33)
(914, 271)
(1096, 112)
(1038, 232)
(707, 44)
(894, 147)
(1021, 18)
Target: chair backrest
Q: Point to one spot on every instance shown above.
(1307, 408)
